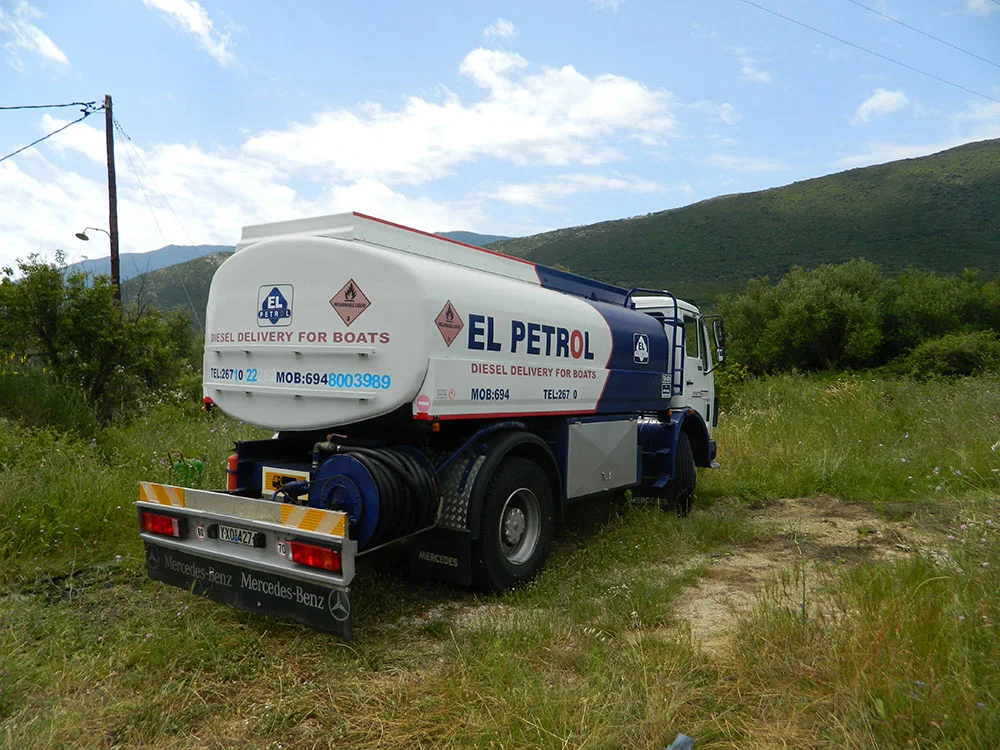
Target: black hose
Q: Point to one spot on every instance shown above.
(407, 489)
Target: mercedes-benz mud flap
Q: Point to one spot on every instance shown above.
(255, 555)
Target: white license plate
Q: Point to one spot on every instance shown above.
(237, 535)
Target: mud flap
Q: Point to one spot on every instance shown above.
(319, 607)
(444, 554)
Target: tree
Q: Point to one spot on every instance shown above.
(72, 325)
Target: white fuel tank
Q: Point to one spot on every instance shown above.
(324, 322)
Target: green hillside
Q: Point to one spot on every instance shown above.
(183, 286)
(938, 213)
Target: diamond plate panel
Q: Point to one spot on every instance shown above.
(454, 510)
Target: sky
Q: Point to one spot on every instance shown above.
(501, 118)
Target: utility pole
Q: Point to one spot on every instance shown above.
(112, 196)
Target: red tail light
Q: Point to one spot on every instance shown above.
(315, 557)
(232, 464)
(157, 524)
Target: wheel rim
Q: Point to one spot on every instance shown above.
(520, 526)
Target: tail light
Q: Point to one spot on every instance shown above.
(232, 465)
(160, 524)
(314, 556)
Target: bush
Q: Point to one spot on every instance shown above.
(849, 316)
(954, 354)
(72, 327)
(36, 399)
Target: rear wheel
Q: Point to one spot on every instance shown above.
(516, 531)
(680, 490)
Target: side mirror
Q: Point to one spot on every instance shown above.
(719, 336)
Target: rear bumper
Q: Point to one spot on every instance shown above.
(260, 578)
(250, 587)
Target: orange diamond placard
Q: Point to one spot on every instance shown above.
(350, 302)
(449, 322)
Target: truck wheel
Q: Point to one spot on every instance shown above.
(680, 491)
(516, 530)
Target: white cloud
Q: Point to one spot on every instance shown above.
(612, 5)
(743, 163)
(500, 29)
(980, 7)
(541, 194)
(88, 141)
(977, 122)
(554, 117)
(27, 37)
(369, 158)
(728, 115)
(750, 72)
(193, 19)
(879, 104)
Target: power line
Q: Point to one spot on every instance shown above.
(152, 179)
(44, 137)
(872, 52)
(86, 105)
(924, 33)
(141, 186)
(129, 143)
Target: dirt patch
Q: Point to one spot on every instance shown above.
(807, 534)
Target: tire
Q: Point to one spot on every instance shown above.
(680, 491)
(516, 526)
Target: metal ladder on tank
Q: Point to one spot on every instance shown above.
(676, 337)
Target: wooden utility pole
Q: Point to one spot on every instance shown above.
(112, 196)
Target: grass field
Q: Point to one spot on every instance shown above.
(856, 651)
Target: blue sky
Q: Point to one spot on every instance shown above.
(507, 118)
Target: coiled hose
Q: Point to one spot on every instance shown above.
(407, 489)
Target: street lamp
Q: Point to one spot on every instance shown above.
(83, 235)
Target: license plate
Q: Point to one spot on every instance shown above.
(240, 536)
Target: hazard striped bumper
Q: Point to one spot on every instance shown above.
(237, 551)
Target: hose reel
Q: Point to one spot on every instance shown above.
(387, 493)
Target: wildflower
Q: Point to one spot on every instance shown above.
(903, 459)
(918, 683)
(958, 472)
(909, 479)
(906, 436)
(215, 429)
(964, 527)
(880, 445)
(149, 635)
(952, 538)
(938, 488)
(984, 565)
(961, 618)
(937, 469)
(118, 558)
(100, 638)
(980, 705)
(989, 522)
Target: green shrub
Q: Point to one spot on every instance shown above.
(72, 326)
(955, 354)
(36, 399)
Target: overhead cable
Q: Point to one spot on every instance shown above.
(44, 137)
(924, 33)
(86, 105)
(872, 52)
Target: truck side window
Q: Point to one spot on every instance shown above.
(692, 339)
(703, 340)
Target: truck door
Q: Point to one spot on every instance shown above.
(698, 380)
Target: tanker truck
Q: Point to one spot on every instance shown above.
(427, 392)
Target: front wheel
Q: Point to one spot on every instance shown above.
(516, 526)
(680, 490)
